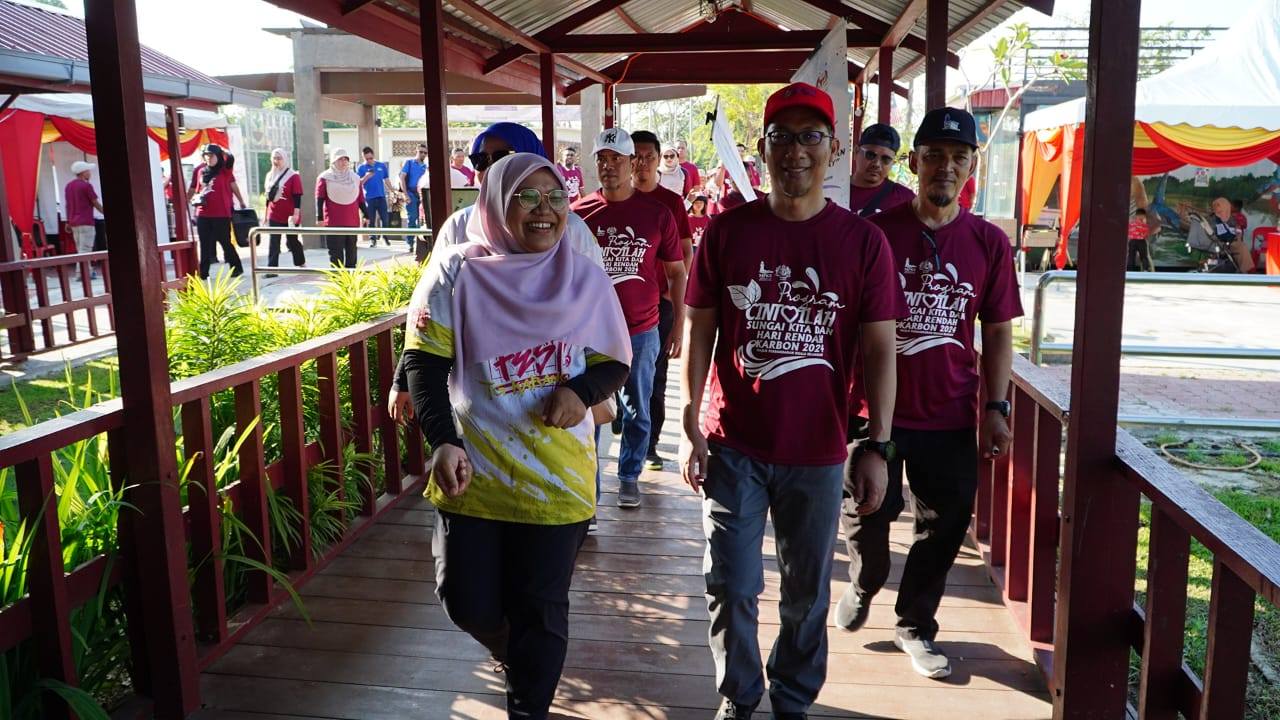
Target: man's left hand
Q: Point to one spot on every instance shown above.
(870, 480)
(994, 436)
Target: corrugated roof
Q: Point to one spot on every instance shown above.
(44, 32)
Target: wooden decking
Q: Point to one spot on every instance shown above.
(380, 647)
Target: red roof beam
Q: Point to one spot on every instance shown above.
(896, 33)
(629, 21)
(914, 43)
(556, 30)
(518, 36)
(705, 42)
(350, 6)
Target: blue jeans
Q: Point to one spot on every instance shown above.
(636, 394)
(411, 210)
(376, 207)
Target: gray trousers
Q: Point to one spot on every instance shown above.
(739, 494)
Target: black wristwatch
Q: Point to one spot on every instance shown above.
(887, 450)
(1004, 407)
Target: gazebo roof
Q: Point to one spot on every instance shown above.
(516, 28)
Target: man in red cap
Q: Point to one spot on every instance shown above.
(781, 288)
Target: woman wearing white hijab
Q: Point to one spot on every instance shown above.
(511, 337)
(339, 204)
(283, 188)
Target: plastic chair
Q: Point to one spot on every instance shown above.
(1258, 246)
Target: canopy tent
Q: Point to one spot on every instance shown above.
(35, 120)
(1218, 108)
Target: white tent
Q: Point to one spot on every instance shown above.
(1235, 82)
(79, 106)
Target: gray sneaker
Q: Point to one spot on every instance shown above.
(628, 494)
(852, 610)
(926, 658)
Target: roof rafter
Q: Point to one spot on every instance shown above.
(629, 21)
(563, 27)
(965, 26)
(915, 43)
(350, 6)
(518, 36)
(705, 42)
(896, 32)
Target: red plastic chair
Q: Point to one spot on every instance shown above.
(1258, 246)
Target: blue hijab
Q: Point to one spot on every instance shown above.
(520, 138)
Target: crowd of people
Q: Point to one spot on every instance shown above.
(834, 348)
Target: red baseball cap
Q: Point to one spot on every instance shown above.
(800, 95)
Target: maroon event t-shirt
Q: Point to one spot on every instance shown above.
(79, 197)
(636, 237)
(898, 194)
(336, 215)
(217, 202)
(791, 297)
(692, 178)
(572, 181)
(698, 226)
(675, 204)
(281, 209)
(971, 276)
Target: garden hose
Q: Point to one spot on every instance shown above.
(1257, 457)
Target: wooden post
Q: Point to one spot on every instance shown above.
(13, 285)
(935, 66)
(431, 28)
(185, 262)
(884, 87)
(548, 86)
(1099, 507)
(152, 541)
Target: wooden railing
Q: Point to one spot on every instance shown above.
(43, 614)
(1017, 525)
(73, 283)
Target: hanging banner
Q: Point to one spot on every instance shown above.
(828, 69)
(727, 151)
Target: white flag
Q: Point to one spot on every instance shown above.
(727, 150)
(828, 69)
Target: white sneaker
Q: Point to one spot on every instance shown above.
(926, 658)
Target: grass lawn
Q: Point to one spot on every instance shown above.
(46, 398)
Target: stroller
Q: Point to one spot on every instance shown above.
(1214, 257)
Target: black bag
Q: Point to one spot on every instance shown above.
(242, 221)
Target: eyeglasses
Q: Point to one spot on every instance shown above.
(873, 156)
(804, 137)
(530, 198)
(933, 245)
(480, 160)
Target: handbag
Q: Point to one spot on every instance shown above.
(244, 220)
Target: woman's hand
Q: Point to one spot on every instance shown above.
(400, 407)
(563, 409)
(451, 470)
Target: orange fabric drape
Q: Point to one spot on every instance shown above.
(1041, 166)
(1069, 192)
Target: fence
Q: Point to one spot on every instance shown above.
(1016, 526)
(43, 615)
(423, 248)
(21, 279)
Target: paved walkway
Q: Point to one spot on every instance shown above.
(1185, 393)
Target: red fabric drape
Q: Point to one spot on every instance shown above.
(1153, 161)
(20, 149)
(1070, 192)
(80, 136)
(1212, 158)
(191, 144)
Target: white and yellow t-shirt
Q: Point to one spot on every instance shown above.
(524, 471)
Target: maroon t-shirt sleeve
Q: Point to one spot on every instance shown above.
(293, 187)
(321, 190)
(705, 281)
(1002, 301)
(669, 246)
(882, 297)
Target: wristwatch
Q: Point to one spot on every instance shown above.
(887, 449)
(1004, 407)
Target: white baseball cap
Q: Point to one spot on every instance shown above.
(615, 139)
(338, 153)
(80, 166)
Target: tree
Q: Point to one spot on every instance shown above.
(397, 116)
(1160, 48)
(1018, 46)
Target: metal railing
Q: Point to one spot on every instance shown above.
(256, 233)
(1039, 347)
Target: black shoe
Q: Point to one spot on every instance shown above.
(237, 272)
(790, 716)
(270, 275)
(730, 710)
(852, 610)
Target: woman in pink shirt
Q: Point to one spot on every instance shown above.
(339, 204)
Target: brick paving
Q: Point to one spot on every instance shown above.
(1154, 391)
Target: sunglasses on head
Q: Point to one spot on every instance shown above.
(530, 198)
(480, 160)
(872, 156)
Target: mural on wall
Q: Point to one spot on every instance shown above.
(1174, 195)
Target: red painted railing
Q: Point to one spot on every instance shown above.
(1016, 526)
(75, 293)
(44, 614)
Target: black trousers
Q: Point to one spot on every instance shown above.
(1139, 255)
(295, 246)
(507, 585)
(214, 232)
(658, 401)
(942, 471)
(342, 250)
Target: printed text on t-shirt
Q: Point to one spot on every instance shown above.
(936, 309)
(790, 332)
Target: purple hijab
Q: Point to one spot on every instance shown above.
(506, 300)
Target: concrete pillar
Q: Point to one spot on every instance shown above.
(592, 108)
(310, 130)
(366, 133)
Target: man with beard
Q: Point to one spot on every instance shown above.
(782, 288)
(871, 191)
(954, 267)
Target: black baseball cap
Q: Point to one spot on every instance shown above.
(882, 135)
(947, 123)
